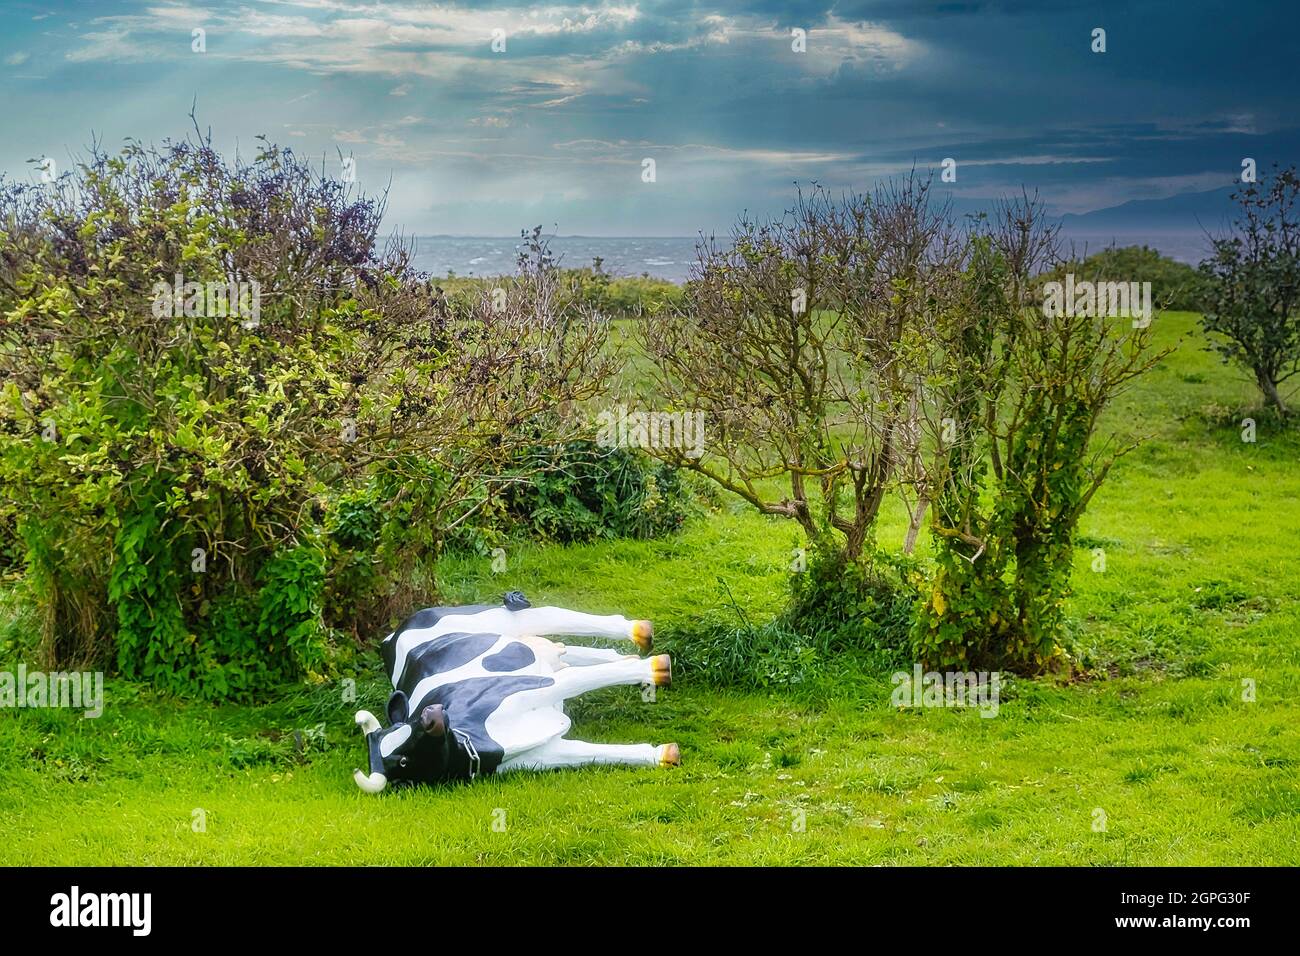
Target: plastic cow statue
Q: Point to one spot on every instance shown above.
(479, 690)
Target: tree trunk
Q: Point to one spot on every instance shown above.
(914, 527)
(854, 540)
(1269, 388)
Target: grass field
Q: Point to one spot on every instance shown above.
(1201, 591)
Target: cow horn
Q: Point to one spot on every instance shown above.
(371, 784)
(367, 721)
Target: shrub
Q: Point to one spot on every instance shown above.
(382, 542)
(852, 607)
(1174, 285)
(167, 456)
(618, 297)
(579, 491)
(10, 545)
(625, 296)
(843, 618)
(1019, 396)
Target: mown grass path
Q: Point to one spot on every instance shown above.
(1201, 533)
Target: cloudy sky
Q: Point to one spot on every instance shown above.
(555, 128)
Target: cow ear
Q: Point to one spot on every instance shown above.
(399, 708)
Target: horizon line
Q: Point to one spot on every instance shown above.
(549, 235)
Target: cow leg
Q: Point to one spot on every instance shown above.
(556, 620)
(576, 753)
(573, 681)
(579, 656)
(516, 721)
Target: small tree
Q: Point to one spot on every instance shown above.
(798, 344)
(1252, 308)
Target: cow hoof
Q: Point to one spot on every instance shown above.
(662, 669)
(643, 635)
(670, 755)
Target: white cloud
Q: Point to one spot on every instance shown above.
(110, 45)
(449, 42)
(622, 151)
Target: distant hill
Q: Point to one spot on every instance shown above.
(1186, 212)
(1176, 225)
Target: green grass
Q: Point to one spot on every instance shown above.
(1202, 539)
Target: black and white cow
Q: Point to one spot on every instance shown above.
(479, 689)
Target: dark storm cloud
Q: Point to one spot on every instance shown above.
(710, 89)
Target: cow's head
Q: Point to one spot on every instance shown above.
(419, 749)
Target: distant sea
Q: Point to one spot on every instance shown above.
(663, 258)
(1189, 247)
(671, 258)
